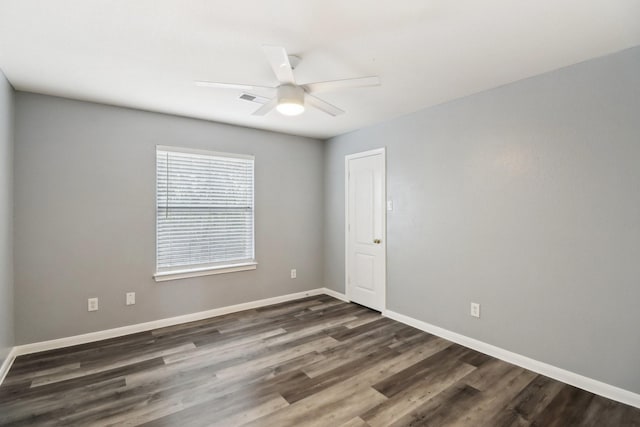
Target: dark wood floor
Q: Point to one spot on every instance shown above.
(311, 362)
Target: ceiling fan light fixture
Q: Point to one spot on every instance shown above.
(290, 108)
(290, 100)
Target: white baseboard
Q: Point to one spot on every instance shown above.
(335, 294)
(6, 364)
(568, 377)
(589, 384)
(155, 324)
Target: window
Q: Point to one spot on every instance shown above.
(204, 213)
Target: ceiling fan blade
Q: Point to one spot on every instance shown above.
(341, 84)
(230, 85)
(266, 107)
(279, 60)
(323, 106)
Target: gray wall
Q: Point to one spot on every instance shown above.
(526, 199)
(6, 217)
(85, 216)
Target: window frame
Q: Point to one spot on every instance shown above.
(196, 270)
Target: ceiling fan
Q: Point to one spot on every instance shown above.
(290, 98)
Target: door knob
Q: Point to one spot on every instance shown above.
(376, 241)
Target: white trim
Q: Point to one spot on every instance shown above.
(6, 364)
(568, 377)
(348, 157)
(335, 294)
(155, 324)
(207, 153)
(163, 276)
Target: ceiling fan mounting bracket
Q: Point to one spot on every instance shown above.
(294, 61)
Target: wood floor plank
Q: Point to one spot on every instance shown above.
(354, 347)
(233, 412)
(436, 352)
(35, 375)
(428, 385)
(603, 411)
(63, 386)
(42, 410)
(317, 345)
(313, 385)
(54, 358)
(355, 422)
(341, 394)
(316, 361)
(325, 408)
(95, 367)
(529, 403)
(204, 397)
(494, 401)
(568, 407)
(223, 349)
(443, 409)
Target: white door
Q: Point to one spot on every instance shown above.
(366, 228)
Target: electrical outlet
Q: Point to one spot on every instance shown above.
(294, 274)
(92, 304)
(131, 298)
(389, 205)
(475, 309)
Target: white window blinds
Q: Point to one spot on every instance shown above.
(204, 215)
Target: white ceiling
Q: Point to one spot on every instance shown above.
(147, 53)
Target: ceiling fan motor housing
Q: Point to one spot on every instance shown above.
(290, 94)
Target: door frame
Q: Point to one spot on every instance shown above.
(348, 157)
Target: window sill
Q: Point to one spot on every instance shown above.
(206, 271)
